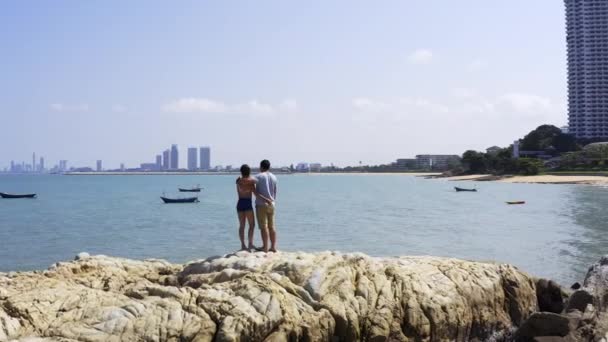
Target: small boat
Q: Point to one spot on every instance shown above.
(463, 189)
(179, 200)
(197, 189)
(3, 195)
(516, 202)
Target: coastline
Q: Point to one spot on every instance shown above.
(236, 172)
(537, 179)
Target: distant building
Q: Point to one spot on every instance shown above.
(565, 129)
(122, 167)
(315, 167)
(516, 149)
(205, 158)
(437, 162)
(41, 164)
(586, 35)
(63, 165)
(166, 159)
(34, 162)
(302, 167)
(99, 168)
(148, 166)
(192, 158)
(159, 162)
(406, 163)
(174, 157)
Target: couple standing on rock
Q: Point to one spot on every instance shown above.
(264, 187)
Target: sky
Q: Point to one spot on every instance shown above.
(317, 81)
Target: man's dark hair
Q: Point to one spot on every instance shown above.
(264, 165)
(245, 170)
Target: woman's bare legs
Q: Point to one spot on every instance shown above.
(242, 229)
(251, 219)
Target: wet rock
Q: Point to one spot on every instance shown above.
(550, 296)
(596, 283)
(575, 286)
(579, 300)
(543, 324)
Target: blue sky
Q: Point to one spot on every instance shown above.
(318, 81)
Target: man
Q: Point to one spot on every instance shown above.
(265, 196)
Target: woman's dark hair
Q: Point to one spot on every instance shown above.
(264, 165)
(245, 170)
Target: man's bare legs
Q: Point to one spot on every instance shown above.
(242, 229)
(265, 239)
(273, 239)
(251, 219)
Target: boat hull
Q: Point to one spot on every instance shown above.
(516, 202)
(3, 195)
(180, 200)
(189, 190)
(463, 189)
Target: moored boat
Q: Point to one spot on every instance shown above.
(5, 195)
(463, 189)
(179, 200)
(197, 189)
(516, 202)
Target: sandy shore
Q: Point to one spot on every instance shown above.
(539, 179)
(554, 179)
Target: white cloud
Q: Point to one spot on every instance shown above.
(424, 104)
(476, 65)
(367, 104)
(62, 107)
(464, 93)
(117, 108)
(525, 103)
(289, 105)
(420, 56)
(205, 105)
(192, 105)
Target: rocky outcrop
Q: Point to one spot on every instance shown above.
(576, 316)
(267, 297)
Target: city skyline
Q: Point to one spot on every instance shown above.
(384, 82)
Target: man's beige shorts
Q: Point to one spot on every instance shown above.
(265, 214)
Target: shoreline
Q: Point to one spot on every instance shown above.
(537, 179)
(236, 172)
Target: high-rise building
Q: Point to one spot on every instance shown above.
(34, 162)
(192, 158)
(63, 165)
(41, 164)
(122, 167)
(174, 157)
(99, 166)
(586, 37)
(205, 158)
(166, 159)
(159, 162)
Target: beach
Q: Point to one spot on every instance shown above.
(537, 179)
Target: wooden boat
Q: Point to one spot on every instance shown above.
(463, 189)
(516, 202)
(179, 200)
(3, 195)
(197, 189)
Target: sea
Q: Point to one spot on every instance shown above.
(558, 233)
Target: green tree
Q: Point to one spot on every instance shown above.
(529, 166)
(474, 162)
(540, 139)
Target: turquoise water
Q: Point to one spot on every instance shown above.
(558, 233)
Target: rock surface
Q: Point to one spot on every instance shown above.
(266, 297)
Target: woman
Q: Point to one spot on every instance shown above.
(245, 188)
